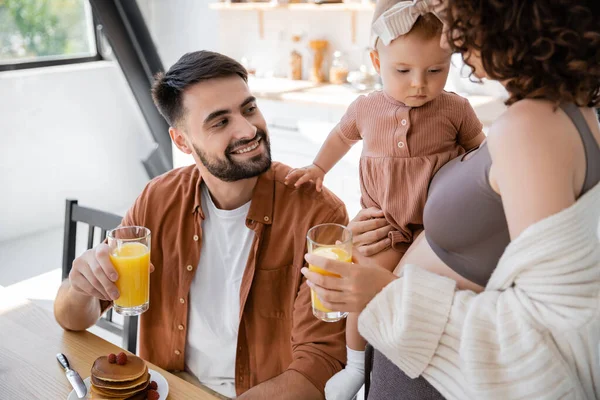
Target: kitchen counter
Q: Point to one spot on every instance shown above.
(338, 97)
(281, 89)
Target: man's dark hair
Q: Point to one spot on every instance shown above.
(191, 68)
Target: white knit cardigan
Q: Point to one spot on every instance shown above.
(534, 332)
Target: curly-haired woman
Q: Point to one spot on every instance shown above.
(517, 218)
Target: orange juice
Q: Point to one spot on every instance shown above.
(333, 253)
(132, 262)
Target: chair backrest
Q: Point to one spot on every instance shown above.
(105, 221)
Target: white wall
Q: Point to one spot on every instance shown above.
(68, 131)
(181, 26)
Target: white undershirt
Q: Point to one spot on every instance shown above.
(214, 296)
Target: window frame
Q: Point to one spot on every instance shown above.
(62, 60)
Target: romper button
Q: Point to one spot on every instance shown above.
(403, 122)
(401, 144)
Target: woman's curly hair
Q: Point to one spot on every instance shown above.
(542, 49)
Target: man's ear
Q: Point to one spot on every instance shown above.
(178, 138)
(375, 60)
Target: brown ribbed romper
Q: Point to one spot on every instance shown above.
(466, 227)
(403, 147)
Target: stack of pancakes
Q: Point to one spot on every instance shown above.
(119, 382)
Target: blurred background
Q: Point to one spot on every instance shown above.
(78, 122)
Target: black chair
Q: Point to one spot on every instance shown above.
(105, 221)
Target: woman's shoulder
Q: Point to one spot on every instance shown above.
(532, 126)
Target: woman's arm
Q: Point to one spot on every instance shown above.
(534, 152)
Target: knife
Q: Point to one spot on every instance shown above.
(72, 376)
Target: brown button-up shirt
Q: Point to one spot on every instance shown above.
(277, 331)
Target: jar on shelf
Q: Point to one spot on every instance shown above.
(338, 72)
(295, 62)
(318, 47)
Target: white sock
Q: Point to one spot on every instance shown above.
(345, 384)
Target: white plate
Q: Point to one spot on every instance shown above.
(163, 386)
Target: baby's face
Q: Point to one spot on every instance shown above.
(413, 70)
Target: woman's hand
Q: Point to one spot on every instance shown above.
(357, 285)
(370, 231)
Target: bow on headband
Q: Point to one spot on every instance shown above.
(399, 19)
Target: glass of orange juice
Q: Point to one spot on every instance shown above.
(130, 255)
(331, 241)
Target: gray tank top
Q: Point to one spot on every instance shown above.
(464, 218)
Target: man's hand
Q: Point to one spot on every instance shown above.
(93, 274)
(290, 385)
(91, 279)
(311, 173)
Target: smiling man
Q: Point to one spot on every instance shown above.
(227, 301)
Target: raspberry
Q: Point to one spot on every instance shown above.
(121, 358)
(112, 358)
(153, 385)
(152, 395)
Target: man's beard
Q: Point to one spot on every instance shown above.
(230, 170)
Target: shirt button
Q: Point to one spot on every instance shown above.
(401, 144)
(266, 219)
(177, 352)
(195, 238)
(403, 122)
(180, 327)
(182, 300)
(189, 268)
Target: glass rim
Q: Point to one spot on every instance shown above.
(345, 228)
(110, 233)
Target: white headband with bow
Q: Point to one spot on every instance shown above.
(399, 19)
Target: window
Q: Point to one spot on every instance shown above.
(45, 32)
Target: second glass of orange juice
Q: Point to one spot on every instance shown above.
(331, 241)
(130, 255)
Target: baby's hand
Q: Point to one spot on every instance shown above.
(311, 173)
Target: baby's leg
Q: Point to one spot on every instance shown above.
(353, 339)
(387, 259)
(345, 384)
